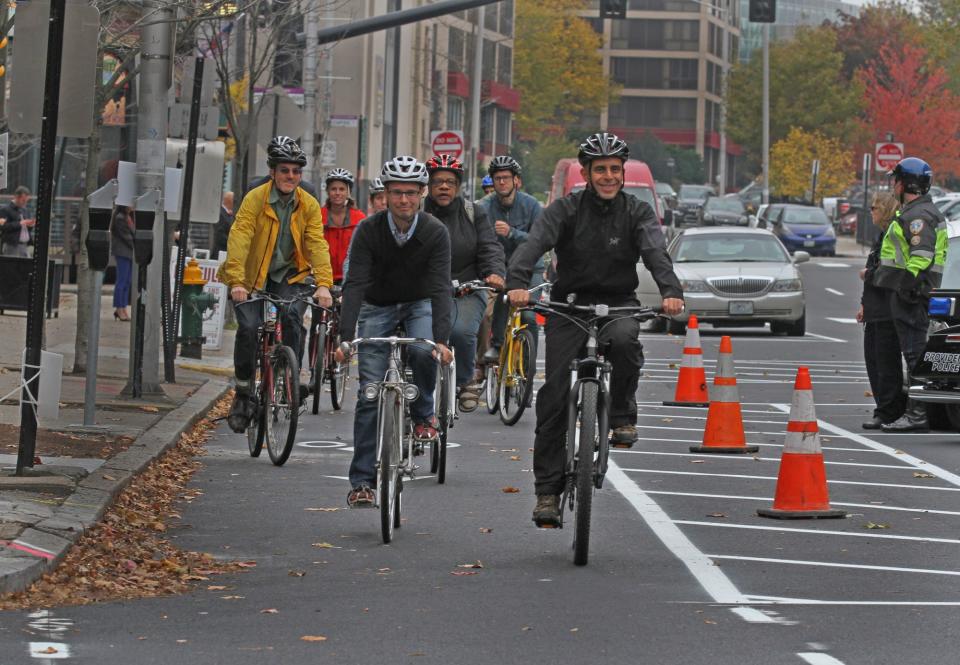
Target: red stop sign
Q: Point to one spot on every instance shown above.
(448, 143)
(887, 155)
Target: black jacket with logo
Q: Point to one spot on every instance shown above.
(474, 250)
(597, 244)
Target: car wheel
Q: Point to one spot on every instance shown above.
(798, 328)
(938, 416)
(953, 415)
(676, 327)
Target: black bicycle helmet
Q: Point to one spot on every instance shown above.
(343, 175)
(404, 169)
(284, 150)
(504, 163)
(915, 174)
(602, 144)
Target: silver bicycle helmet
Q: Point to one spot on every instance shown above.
(404, 169)
(602, 144)
(504, 163)
(284, 150)
(342, 175)
(376, 186)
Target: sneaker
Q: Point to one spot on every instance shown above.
(906, 424)
(624, 436)
(361, 496)
(469, 399)
(240, 412)
(492, 355)
(427, 431)
(546, 515)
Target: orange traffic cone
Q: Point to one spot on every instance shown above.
(692, 382)
(724, 430)
(802, 482)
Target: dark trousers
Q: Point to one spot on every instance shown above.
(565, 342)
(121, 290)
(881, 352)
(250, 318)
(911, 322)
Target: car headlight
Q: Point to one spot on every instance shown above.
(694, 285)
(830, 232)
(788, 285)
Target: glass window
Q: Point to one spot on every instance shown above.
(710, 247)
(454, 113)
(455, 47)
(490, 17)
(724, 204)
(656, 35)
(951, 273)
(505, 65)
(489, 60)
(506, 18)
(504, 129)
(486, 124)
(655, 73)
(805, 216)
(652, 112)
(665, 5)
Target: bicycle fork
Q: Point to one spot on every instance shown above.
(582, 372)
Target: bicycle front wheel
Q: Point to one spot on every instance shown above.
(284, 408)
(444, 411)
(388, 469)
(318, 364)
(256, 429)
(338, 376)
(584, 465)
(516, 380)
(491, 388)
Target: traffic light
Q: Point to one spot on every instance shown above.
(763, 11)
(613, 8)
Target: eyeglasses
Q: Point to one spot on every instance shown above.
(502, 178)
(440, 182)
(284, 170)
(404, 194)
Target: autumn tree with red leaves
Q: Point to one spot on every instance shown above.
(907, 95)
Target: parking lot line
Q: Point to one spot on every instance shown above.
(819, 532)
(684, 416)
(749, 443)
(778, 600)
(754, 458)
(830, 564)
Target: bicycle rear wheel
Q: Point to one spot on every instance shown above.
(388, 469)
(284, 404)
(587, 439)
(338, 375)
(516, 381)
(257, 427)
(318, 363)
(491, 388)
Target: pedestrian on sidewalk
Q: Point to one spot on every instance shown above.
(881, 350)
(16, 229)
(121, 246)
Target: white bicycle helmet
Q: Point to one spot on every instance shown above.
(343, 175)
(376, 186)
(404, 169)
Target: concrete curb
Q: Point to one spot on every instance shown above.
(42, 547)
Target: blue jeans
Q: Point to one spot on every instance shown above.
(382, 321)
(467, 315)
(121, 290)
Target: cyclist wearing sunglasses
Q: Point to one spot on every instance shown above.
(276, 245)
(399, 274)
(277, 143)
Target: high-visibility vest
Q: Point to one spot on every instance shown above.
(912, 255)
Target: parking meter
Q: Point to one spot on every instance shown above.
(145, 214)
(100, 213)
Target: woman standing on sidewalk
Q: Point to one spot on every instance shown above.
(880, 347)
(121, 246)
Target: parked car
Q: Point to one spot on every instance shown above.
(752, 196)
(767, 213)
(951, 209)
(848, 224)
(689, 201)
(723, 211)
(733, 276)
(805, 227)
(666, 191)
(637, 180)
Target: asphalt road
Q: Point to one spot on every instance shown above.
(681, 571)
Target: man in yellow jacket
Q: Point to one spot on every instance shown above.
(276, 245)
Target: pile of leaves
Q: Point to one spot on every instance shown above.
(126, 555)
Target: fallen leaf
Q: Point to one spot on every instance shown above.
(484, 529)
(247, 564)
(514, 458)
(48, 650)
(296, 573)
(232, 597)
(876, 525)
(672, 365)
(327, 546)
(526, 628)
(322, 510)
(106, 476)
(460, 573)
(666, 420)
(868, 393)
(182, 641)
(574, 630)
(150, 409)
(510, 490)
(270, 610)
(475, 564)
(922, 474)
(697, 461)
(712, 623)
(313, 638)
(216, 587)
(716, 515)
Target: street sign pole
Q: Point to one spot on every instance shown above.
(814, 172)
(38, 281)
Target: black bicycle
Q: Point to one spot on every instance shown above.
(588, 414)
(324, 341)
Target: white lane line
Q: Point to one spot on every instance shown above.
(834, 291)
(818, 658)
(920, 464)
(830, 564)
(661, 405)
(778, 600)
(700, 429)
(825, 337)
(686, 417)
(767, 499)
(840, 320)
(749, 443)
(828, 264)
(667, 381)
(753, 458)
(808, 338)
(820, 532)
(831, 482)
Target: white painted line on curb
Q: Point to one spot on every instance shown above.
(834, 291)
(820, 532)
(824, 337)
(831, 564)
(840, 320)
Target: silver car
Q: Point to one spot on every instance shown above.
(734, 276)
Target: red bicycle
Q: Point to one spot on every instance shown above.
(324, 341)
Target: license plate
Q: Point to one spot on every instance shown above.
(740, 308)
(809, 243)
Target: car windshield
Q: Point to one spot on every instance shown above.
(695, 192)
(951, 272)
(664, 189)
(724, 205)
(740, 247)
(805, 216)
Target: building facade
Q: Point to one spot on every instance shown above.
(668, 56)
(791, 14)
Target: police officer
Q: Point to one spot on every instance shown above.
(912, 255)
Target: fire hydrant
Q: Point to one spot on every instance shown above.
(194, 302)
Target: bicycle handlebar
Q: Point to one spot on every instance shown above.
(350, 347)
(473, 286)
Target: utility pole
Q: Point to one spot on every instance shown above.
(724, 66)
(329, 21)
(766, 113)
(158, 18)
(475, 116)
(311, 22)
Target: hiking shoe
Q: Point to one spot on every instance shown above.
(361, 496)
(427, 431)
(240, 412)
(469, 399)
(624, 436)
(546, 514)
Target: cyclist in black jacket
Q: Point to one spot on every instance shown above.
(598, 235)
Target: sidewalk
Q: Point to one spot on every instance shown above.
(42, 513)
(847, 247)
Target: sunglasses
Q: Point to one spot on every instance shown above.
(284, 170)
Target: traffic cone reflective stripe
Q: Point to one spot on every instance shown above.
(802, 480)
(692, 380)
(723, 432)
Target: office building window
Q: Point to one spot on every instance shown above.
(504, 129)
(489, 60)
(655, 73)
(656, 35)
(454, 113)
(505, 65)
(631, 112)
(490, 17)
(665, 5)
(486, 124)
(506, 18)
(456, 42)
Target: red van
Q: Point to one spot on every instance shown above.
(637, 181)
